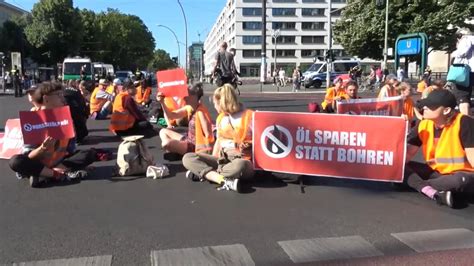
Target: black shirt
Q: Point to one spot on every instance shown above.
(466, 133)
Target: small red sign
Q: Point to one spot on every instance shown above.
(172, 82)
(392, 106)
(11, 142)
(344, 146)
(37, 125)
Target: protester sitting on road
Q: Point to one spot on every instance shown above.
(334, 93)
(352, 89)
(447, 141)
(390, 87)
(199, 137)
(404, 89)
(231, 158)
(126, 119)
(143, 93)
(437, 85)
(79, 111)
(423, 84)
(173, 104)
(52, 159)
(101, 101)
(32, 94)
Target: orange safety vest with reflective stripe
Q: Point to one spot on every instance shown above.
(242, 133)
(142, 96)
(331, 94)
(203, 143)
(172, 105)
(121, 119)
(447, 155)
(56, 154)
(96, 104)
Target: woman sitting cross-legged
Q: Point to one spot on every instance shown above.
(199, 137)
(231, 159)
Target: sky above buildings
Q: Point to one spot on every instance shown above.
(200, 14)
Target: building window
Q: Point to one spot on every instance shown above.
(252, 25)
(284, 1)
(338, 1)
(312, 12)
(312, 39)
(251, 39)
(336, 12)
(251, 11)
(251, 53)
(315, 1)
(284, 25)
(249, 70)
(311, 53)
(285, 40)
(284, 53)
(312, 25)
(283, 12)
(252, 1)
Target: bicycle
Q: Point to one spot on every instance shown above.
(366, 85)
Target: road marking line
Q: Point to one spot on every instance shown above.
(332, 248)
(236, 254)
(84, 261)
(437, 240)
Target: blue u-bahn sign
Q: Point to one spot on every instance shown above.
(410, 46)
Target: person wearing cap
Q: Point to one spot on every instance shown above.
(126, 119)
(143, 93)
(390, 87)
(101, 101)
(113, 88)
(337, 92)
(199, 137)
(447, 142)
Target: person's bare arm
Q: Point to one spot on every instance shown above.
(470, 155)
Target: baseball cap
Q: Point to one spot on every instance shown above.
(438, 98)
(117, 81)
(103, 81)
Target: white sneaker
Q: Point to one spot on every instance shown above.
(230, 184)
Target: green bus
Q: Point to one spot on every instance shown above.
(72, 68)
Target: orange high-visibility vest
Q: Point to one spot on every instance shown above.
(110, 89)
(421, 86)
(391, 92)
(56, 154)
(331, 94)
(408, 106)
(96, 104)
(203, 143)
(142, 96)
(121, 119)
(447, 155)
(172, 105)
(242, 134)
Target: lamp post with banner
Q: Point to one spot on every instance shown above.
(275, 35)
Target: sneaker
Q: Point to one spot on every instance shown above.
(230, 184)
(444, 198)
(34, 181)
(20, 176)
(193, 177)
(153, 120)
(172, 156)
(75, 175)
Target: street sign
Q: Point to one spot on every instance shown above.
(410, 46)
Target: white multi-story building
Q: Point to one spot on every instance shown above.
(303, 33)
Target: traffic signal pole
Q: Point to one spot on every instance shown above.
(329, 52)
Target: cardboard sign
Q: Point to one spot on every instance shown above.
(392, 106)
(56, 123)
(11, 142)
(343, 146)
(172, 82)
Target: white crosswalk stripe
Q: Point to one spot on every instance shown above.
(437, 240)
(236, 254)
(325, 249)
(84, 261)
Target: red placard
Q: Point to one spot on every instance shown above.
(11, 142)
(172, 82)
(343, 146)
(392, 106)
(37, 125)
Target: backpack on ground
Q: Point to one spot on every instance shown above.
(133, 157)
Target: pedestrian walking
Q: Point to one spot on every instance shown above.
(296, 78)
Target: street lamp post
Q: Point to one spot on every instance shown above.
(186, 33)
(174, 34)
(385, 52)
(275, 35)
(329, 52)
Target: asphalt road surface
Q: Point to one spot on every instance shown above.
(138, 221)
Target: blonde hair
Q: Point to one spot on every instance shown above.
(403, 86)
(227, 99)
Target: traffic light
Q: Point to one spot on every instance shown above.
(175, 59)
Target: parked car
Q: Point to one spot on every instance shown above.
(123, 75)
(315, 75)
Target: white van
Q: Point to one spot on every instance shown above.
(315, 75)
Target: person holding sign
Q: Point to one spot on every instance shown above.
(332, 95)
(199, 137)
(126, 119)
(231, 158)
(49, 159)
(447, 141)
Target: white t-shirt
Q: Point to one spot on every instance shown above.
(464, 53)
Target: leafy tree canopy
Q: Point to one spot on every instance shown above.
(161, 61)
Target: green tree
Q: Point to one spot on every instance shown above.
(13, 38)
(91, 41)
(361, 28)
(55, 29)
(161, 61)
